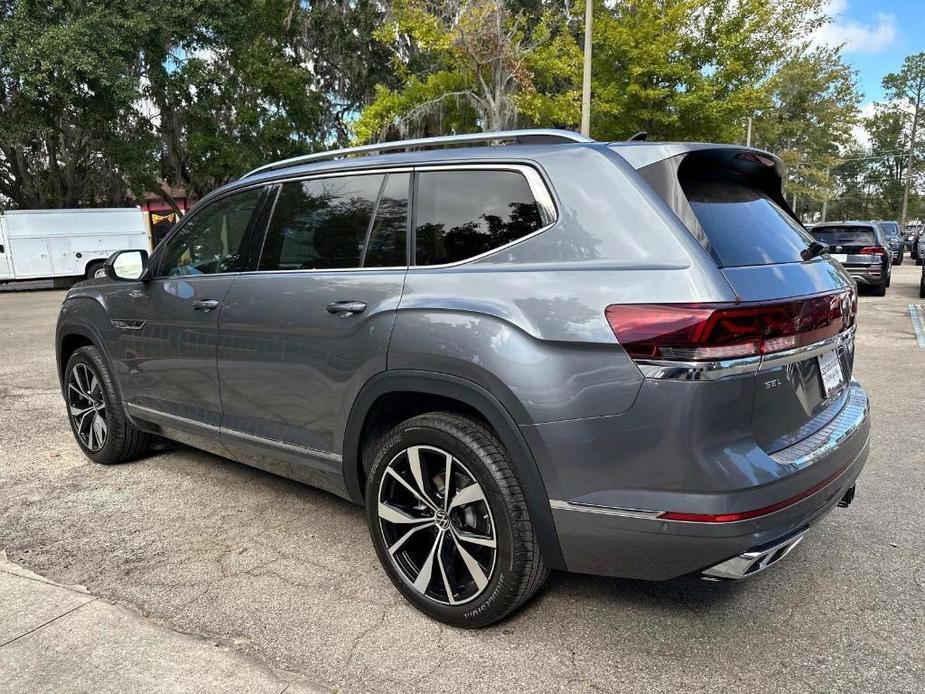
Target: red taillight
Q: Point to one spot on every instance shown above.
(699, 332)
(872, 250)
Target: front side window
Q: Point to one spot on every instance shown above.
(461, 214)
(339, 222)
(211, 241)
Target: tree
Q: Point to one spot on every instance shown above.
(680, 69)
(907, 89)
(66, 77)
(813, 107)
(224, 94)
(339, 44)
(461, 67)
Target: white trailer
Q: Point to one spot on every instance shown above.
(65, 245)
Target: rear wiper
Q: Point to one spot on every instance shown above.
(813, 250)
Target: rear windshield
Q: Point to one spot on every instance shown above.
(845, 236)
(743, 226)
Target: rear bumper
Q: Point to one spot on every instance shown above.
(867, 275)
(613, 541)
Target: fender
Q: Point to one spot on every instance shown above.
(434, 383)
(75, 324)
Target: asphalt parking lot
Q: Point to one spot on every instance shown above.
(286, 575)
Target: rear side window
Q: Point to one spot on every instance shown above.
(845, 236)
(741, 224)
(326, 223)
(461, 214)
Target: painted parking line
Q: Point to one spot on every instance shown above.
(917, 314)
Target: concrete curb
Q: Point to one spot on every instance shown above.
(61, 638)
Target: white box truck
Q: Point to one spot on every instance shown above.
(66, 245)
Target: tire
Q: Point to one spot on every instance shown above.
(90, 392)
(452, 591)
(918, 261)
(93, 269)
(879, 290)
(899, 260)
(922, 288)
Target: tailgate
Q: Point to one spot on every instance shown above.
(731, 202)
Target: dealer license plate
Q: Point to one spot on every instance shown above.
(840, 257)
(833, 378)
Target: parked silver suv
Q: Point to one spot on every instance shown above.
(625, 359)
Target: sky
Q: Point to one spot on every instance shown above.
(877, 36)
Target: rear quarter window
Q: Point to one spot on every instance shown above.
(462, 214)
(741, 225)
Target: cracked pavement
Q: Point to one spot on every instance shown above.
(285, 574)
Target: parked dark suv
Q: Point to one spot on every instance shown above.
(895, 239)
(861, 248)
(625, 359)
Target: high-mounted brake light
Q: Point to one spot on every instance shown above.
(709, 332)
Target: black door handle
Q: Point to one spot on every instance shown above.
(205, 304)
(346, 308)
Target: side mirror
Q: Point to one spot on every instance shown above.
(127, 266)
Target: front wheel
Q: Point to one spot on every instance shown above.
(96, 413)
(449, 522)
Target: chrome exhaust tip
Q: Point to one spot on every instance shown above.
(751, 562)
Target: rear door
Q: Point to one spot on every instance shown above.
(731, 202)
(302, 334)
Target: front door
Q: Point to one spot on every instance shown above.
(300, 336)
(168, 327)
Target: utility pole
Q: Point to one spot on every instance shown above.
(748, 135)
(825, 200)
(910, 163)
(586, 74)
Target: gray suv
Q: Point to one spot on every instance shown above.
(625, 359)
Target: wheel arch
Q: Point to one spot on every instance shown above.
(471, 397)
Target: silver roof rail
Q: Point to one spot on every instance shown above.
(521, 137)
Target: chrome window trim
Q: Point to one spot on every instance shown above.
(716, 370)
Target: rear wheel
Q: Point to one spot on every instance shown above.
(922, 288)
(96, 413)
(879, 290)
(449, 522)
